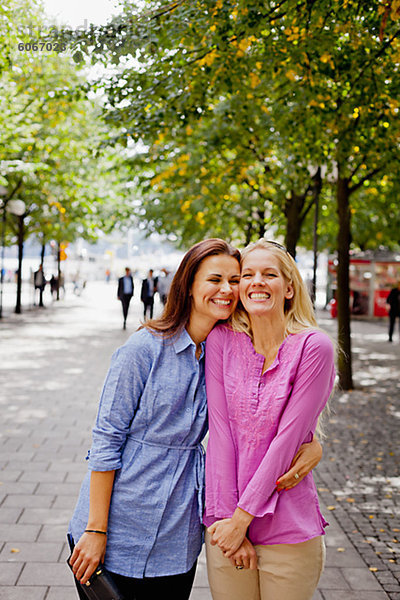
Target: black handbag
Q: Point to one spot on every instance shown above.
(100, 586)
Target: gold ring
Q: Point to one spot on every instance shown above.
(296, 476)
(239, 567)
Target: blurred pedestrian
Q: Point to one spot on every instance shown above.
(163, 285)
(149, 288)
(54, 286)
(125, 292)
(393, 301)
(39, 281)
(269, 375)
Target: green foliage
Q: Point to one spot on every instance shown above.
(49, 150)
(234, 105)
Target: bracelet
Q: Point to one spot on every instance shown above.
(95, 531)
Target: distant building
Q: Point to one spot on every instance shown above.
(373, 274)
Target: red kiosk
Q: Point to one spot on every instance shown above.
(372, 275)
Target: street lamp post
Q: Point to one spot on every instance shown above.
(3, 194)
(17, 208)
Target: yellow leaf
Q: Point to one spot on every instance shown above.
(341, 549)
(208, 59)
(189, 130)
(254, 80)
(373, 569)
(325, 58)
(292, 75)
(14, 550)
(331, 507)
(186, 205)
(200, 218)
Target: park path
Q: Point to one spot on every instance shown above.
(52, 365)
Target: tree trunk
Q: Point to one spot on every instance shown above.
(42, 252)
(317, 187)
(293, 211)
(343, 284)
(21, 235)
(261, 222)
(58, 270)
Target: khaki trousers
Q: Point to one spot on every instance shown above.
(284, 572)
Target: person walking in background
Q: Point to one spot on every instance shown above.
(393, 301)
(163, 285)
(39, 282)
(269, 374)
(149, 288)
(125, 292)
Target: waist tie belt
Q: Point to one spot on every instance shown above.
(199, 466)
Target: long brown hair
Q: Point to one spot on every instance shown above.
(177, 310)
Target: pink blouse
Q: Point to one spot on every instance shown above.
(257, 423)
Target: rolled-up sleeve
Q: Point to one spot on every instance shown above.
(120, 398)
(312, 386)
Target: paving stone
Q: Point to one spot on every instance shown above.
(360, 579)
(9, 573)
(332, 579)
(48, 574)
(54, 533)
(19, 500)
(348, 558)
(19, 533)
(18, 487)
(43, 476)
(9, 475)
(53, 516)
(348, 595)
(67, 502)
(62, 593)
(23, 593)
(9, 515)
(58, 489)
(200, 594)
(28, 551)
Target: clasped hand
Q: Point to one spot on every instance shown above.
(228, 535)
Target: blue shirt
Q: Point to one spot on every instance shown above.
(127, 285)
(151, 420)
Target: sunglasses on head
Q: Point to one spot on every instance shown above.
(277, 245)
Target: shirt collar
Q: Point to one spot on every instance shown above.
(183, 341)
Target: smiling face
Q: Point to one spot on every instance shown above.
(263, 288)
(215, 289)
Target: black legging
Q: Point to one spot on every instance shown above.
(169, 586)
(177, 587)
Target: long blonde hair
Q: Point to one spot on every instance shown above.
(299, 311)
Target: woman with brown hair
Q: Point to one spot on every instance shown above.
(140, 505)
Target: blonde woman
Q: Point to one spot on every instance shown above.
(269, 375)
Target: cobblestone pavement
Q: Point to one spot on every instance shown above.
(359, 477)
(52, 365)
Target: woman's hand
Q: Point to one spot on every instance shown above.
(87, 554)
(245, 556)
(305, 461)
(230, 533)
